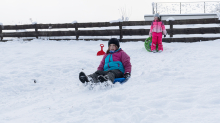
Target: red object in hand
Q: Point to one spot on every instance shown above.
(101, 52)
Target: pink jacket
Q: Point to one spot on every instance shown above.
(121, 56)
(157, 26)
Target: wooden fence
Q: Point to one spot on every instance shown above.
(114, 32)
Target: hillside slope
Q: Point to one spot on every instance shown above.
(180, 84)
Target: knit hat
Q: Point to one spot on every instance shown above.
(157, 15)
(114, 41)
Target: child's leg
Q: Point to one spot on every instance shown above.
(160, 46)
(95, 75)
(115, 74)
(111, 75)
(154, 41)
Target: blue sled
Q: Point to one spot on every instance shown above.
(120, 80)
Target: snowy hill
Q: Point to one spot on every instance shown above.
(179, 85)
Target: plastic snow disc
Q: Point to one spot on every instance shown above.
(148, 43)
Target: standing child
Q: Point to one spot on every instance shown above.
(157, 29)
(115, 64)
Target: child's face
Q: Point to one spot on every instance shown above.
(112, 47)
(155, 18)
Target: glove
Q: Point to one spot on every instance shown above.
(127, 75)
(164, 36)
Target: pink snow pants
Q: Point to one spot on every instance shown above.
(156, 39)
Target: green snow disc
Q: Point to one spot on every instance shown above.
(147, 44)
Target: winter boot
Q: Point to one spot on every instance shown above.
(83, 78)
(154, 51)
(159, 51)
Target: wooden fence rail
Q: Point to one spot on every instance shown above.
(113, 32)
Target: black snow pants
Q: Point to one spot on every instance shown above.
(112, 74)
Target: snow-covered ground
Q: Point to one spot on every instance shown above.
(179, 85)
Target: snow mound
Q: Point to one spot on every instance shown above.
(115, 21)
(170, 18)
(34, 22)
(74, 22)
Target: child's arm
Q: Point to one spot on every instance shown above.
(163, 29)
(125, 59)
(151, 28)
(102, 63)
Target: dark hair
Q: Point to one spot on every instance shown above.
(159, 19)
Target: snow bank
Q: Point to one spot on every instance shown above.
(115, 21)
(170, 18)
(74, 22)
(34, 22)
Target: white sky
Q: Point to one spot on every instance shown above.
(67, 11)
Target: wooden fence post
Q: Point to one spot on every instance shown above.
(1, 31)
(120, 28)
(36, 30)
(76, 30)
(171, 28)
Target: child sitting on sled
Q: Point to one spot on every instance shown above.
(156, 30)
(115, 64)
